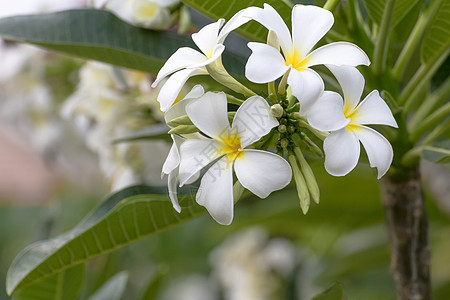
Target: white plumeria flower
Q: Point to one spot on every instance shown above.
(261, 172)
(152, 14)
(172, 162)
(346, 119)
(309, 25)
(187, 62)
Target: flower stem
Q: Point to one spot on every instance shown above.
(320, 134)
(272, 92)
(222, 77)
(234, 100)
(331, 4)
(381, 45)
(414, 40)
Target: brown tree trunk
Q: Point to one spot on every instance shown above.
(407, 224)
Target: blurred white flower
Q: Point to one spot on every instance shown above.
(309, 25)
(261, 172)
(346, 120)
(249, 265)
(152, 14)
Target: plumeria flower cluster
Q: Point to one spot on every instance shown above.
(260, 145)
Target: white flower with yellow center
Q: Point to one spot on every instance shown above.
(187, 62)
(172, 162)
(259, 171)
(309, 25)
(346, 120)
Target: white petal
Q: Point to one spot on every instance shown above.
(182, 58)
(341, 152)
(265, 64)
(309, 25)
(307, 86)
(373, 110)
(172, 87)
(195, 155)
(179, 109)
(215, 54)
(209, 114)
(269, 18)
(216, 191)
(253, 120)
(327, 113)
(338, 54)
(352, 84)
(173, 158)
(239, 19)
(172, 187)
(207, 37)
(262, 172)
(378, 149)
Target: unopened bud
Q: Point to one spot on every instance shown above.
(183, 129)
(272, 40)
(183, 120)
(300, 183)
(276, 111)
(282, 128)
(291, 129)
(222, 77)
(284, 143)
(295, 115)
(310, 179)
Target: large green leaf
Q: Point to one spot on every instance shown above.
(113, 289)
(376, 8)
(437, 37)
(99, 35)
(123, 218)
(438, 153)
(216, 9)
(65, 285)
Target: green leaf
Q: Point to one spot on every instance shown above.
(437, 36)
(439, 153)
(227, 8)
(122, 219)
(335, 292)
(154, 132)
(376, 8)
(65, 285)
(113, 289)
(99, 35)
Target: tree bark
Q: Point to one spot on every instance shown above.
(407, 224)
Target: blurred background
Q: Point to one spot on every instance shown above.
(58, 118)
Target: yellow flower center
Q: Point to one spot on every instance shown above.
(293, 59)
(231, 146)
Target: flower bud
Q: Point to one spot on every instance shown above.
(276, 111)
(300, 183)
(183, 129)
(284, 143)
(282, 128)
(310, 179)
(183, 120)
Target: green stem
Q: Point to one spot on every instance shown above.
(414, 40)
(302, 188)
(434, 119)
(221, 76)
(234, 100)
(331, 4)
(272, 92)
(443, 92)
(425, 72)
(320, 134)
(381, 45)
